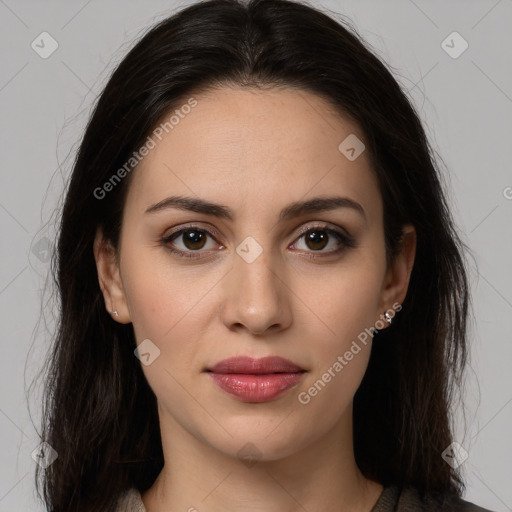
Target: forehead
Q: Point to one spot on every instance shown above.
(246, 145)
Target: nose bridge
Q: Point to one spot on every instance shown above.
(255, 296)
(254, 269)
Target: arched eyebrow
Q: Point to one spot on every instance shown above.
(295, 209)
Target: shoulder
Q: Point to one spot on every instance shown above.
(130, 501)
(411, 501)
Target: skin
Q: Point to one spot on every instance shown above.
(255, 152)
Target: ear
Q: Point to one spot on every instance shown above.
(398, 274)
(109, 279)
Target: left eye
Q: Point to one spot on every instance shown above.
(317, 239)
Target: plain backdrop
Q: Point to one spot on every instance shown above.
(464, 100)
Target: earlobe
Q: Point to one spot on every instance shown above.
(109, 279)
(399, 272)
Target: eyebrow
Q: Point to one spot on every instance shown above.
(317, 204)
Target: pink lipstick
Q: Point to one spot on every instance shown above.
(255, 380)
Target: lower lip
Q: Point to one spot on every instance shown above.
(256, 388)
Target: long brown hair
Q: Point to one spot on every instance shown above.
(99, 412)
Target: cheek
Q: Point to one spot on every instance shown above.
(340, 356)
(147, 301)
(160, 299)
(340, 322)
(344, 304)
(165, 310)
(170, 306)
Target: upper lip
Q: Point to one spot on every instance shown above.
(249, 365)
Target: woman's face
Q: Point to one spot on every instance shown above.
(258, 276)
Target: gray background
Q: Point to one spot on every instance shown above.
(466, 106)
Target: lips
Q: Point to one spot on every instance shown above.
(248, 365)
(255, 380)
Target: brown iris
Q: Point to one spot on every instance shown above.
(316, 239)
(194, 239)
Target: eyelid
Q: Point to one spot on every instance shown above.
(327, 226)
(210, 230)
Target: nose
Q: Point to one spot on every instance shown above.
(256, 296)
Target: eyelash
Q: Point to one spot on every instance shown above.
(346, 240)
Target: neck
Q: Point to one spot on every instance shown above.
(321, 476)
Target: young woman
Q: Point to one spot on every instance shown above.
(263, 295)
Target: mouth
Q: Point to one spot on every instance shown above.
(255, 380)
